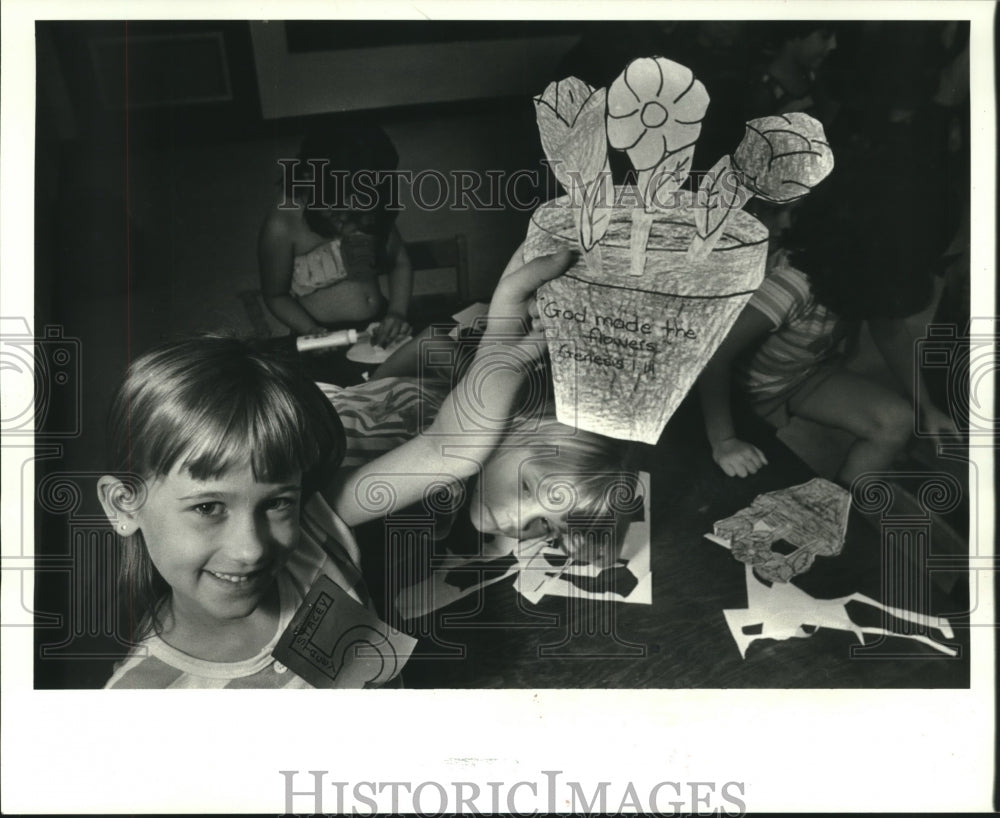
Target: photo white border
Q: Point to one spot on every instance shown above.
(202, 751)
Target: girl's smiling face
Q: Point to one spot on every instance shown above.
(219, 542)
(505, 499)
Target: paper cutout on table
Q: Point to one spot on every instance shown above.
(540, 570)
(617, 580)
(783, 611)
(364, 352)
(628, 579)
(471, 572)
(808, 520)
(334, 641)
(633, 323)
(467, 317)
(451, 579)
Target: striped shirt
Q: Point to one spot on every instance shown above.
(380, 415)
(806, 335)
(327, 547)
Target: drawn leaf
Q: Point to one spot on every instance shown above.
(718, 195)
(666, 178)
(597, 207)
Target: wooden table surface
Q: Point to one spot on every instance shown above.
(494, 638)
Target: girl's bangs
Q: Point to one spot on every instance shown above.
(266, 435)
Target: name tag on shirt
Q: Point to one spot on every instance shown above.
(335, 642)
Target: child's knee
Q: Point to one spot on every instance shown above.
(889, 421)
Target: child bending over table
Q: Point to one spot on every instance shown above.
(543, 481)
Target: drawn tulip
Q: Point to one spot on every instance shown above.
(570, 115)
(780, 159)
(783, 157)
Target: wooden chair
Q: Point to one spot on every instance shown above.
(440, 279)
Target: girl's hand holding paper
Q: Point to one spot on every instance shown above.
(513, 313)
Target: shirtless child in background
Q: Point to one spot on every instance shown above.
(323, 245)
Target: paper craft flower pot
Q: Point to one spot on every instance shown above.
(626, 349)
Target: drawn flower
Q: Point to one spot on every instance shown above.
(655, 107)
(783, 157)
(570, 116)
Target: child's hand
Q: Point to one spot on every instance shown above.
(390, 329)
(513, 316)
(512, 311)
(737, 458)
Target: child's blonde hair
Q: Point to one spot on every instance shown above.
(211, 403)
(597, 473)
(601, 473)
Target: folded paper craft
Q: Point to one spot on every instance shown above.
(809, 520)
(812, 519)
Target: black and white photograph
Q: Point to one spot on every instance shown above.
(504, 387)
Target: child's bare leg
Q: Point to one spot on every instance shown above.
(880, 419)
(406, 361)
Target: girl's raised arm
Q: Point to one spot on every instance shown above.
(472, 418)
